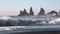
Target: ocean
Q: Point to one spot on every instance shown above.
(29, 24)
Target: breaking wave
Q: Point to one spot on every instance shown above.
(29, 20)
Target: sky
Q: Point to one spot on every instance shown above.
(13, 7)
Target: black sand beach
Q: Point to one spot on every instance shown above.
(41, 32)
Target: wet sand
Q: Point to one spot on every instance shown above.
(41, 32)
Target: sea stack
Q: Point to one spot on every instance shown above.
(42, 12)
(31, 11)
(53, 13)
(23, 13)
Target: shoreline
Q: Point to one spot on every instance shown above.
(41, 32)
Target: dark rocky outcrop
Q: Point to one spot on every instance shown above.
(42, 12)
(23, 13)
(31, 11)
(20, 13)
(53, 12)
(59, 13)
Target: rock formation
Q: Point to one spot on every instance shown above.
(42, 12)
(31, 11)
(23, 13)
(59, 13)
(53, 12)
(20, 13)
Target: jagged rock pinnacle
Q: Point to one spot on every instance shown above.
(31, 11)
(42, 12)
(23, 13)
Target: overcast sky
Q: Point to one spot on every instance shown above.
(12, 7)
